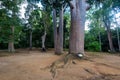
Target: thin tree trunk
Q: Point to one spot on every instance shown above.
(109, 34)
(100, 42)
(110, 39)
(30, 40)
(43, 41)
(118, 38)
(11, 41)
(11, 46)
(107, 25)
(58, 32)
(55, 29)
(76, 42)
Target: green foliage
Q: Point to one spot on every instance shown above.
(101, 15)
(66, 29)
(91, 42)
(93, 46)
(39, 18)
(9, 17)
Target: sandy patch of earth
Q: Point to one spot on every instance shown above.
(29, 66)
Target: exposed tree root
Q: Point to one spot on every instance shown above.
(98, 63)
(90, 71)
(62, 63)
(103, 77)
(67, 59)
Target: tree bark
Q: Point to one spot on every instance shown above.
(58, 32)
(30, 40)
(100, 42)
(76, 41)
(43, 41)
(110, 40)
(118, 38)
(11, 41)
(55, 29)
(107, 25)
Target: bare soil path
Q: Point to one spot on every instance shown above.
(27, 65)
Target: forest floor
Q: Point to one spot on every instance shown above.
(33, 65)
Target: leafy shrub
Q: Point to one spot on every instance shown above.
(93, 46)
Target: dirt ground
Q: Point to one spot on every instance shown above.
(32, 65)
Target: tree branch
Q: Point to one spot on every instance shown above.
(87, 5)
(71, 5)
(64, 6)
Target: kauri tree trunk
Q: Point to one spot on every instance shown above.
(99, 33)
(30, 43)
(100, 42)
(58, 32)
(78, 10)
(110, 40)
(43, 41)
(55, 29)
(107, 25)
(118, 38)
(11, 41)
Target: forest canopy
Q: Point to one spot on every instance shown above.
(60, 24)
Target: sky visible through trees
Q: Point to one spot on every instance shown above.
(102, 21)
(24, 5)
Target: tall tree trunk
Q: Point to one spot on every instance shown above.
(30, 40)
(55, 29)
(110, 40)
(58, 32)
(43, 41)
(118, 38)
(100, 42)
(107, 25)
(78, 11)
(11, 41)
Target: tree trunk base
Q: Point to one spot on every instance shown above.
(11, 51)
(111, 51)
(63, 62)
(30, 49)
(58, 53)
(43, 49)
